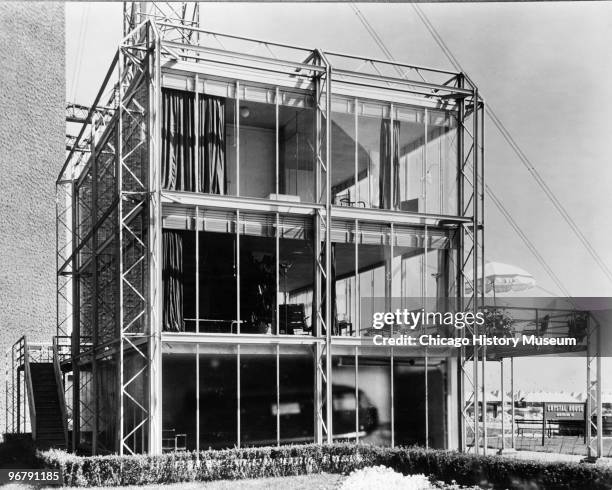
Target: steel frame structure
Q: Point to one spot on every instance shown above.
(109, 215)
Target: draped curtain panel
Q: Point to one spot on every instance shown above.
(178, 143)
(172, 278)
(389, 157)
(211, 158)
(178, 140)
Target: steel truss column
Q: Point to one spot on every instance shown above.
(139, 244)
(95, 295)
(322, 324)
(155, 249)
(470, 246)
(593, 421)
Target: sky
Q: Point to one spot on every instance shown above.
(541, 67)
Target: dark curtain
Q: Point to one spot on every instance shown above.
(178, 140)
(212, 164)
(178, 143)
(388, 195)
(172, 278)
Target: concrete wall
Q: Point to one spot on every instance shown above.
(32, 131)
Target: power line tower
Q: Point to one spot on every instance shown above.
(166, 15)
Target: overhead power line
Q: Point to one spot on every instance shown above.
(518, 151)
(506, 134)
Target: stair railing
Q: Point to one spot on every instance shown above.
(59, 382)
(29, 387)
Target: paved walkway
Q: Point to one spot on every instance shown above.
(542, 456)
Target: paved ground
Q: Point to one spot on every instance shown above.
(542, 456)
(568, 445)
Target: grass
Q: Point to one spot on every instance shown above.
(323, 481)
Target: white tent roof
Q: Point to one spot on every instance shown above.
(546, 396)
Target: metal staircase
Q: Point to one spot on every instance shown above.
(35, 394)
(49, 422)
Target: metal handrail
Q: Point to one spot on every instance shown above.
(30, 388)
(60, 388)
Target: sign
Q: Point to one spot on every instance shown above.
(564, 411)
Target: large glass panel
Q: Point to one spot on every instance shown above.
(296, 151)
(374, 255)
(345, 277)
(407, 270)
(218, 400)
(374, 399)
(189, 280)
(344, 398)
(258, 399)
(411, 152)
(231, 147)
(374, 167)
(217, 277)
(179, 402)
(296, 396)
(296, 276)
(257, 149)
(258, 294)
(441, 170)
(410, 407)
(344, 148)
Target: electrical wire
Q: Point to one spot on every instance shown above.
(505, 133)
(76, 74)
(518, 151)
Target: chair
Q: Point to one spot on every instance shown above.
(171, 441)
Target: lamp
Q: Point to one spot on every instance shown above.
(245, 112)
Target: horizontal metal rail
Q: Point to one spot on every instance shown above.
(92, 110)
(247, 56)
(233, 36)
(402, 81)
(390, 63)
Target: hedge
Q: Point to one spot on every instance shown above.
(232, 464)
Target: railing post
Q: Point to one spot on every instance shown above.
(29, 388)
(60, 389)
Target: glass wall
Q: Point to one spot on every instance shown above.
(378, 267)
(296, 136)
(179, 402)
(230, 395)
(441, 172)
(259, 144)
(267, 259)
(379, 398)
(257, 274)
(217, 281)
(403, 159)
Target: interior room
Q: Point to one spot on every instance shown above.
(417, 174)
(270, 262)
(238, 145)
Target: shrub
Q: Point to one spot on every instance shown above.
(231, 464)
(18, 451)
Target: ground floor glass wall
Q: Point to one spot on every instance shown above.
(265, 395)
